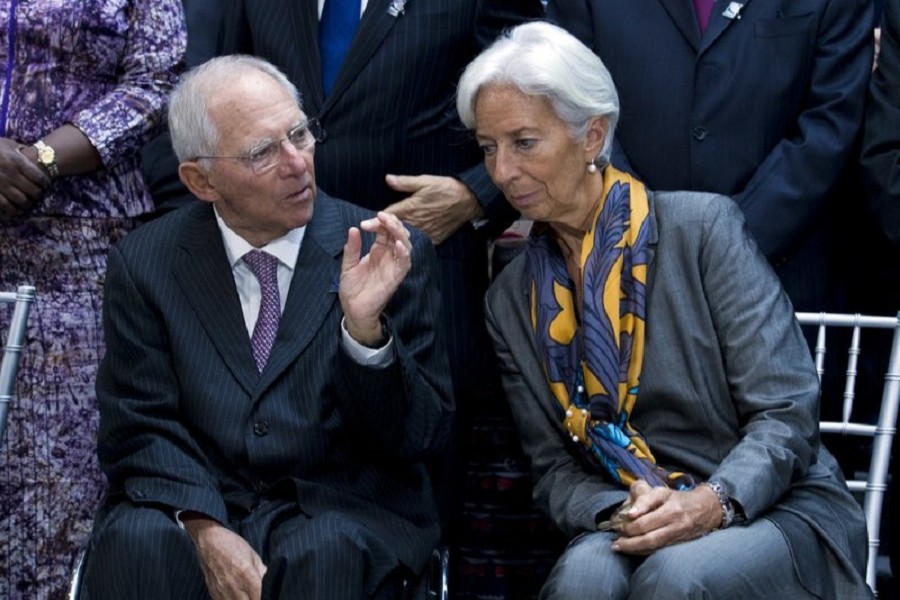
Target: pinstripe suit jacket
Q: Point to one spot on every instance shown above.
(392, 111)
(188, 423)
(728, 391)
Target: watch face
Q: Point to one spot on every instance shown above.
(46, 155)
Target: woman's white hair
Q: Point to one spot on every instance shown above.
(193, 131)
(541, 59)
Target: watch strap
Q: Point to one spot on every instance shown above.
(724, 501)
(47, 158)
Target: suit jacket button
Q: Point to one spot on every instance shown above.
(699, 133)
(261, 428)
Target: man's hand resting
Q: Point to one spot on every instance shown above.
(232, 569)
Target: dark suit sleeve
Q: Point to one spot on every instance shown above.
(789, 188)
(143, 446)
(494, 17)
(881, 139)
(203, 21)
(575, 16)
(405, 407)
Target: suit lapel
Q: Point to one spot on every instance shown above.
(718, 22)
(207, 281)
(685, 18)
(304, 16)
(374, 26)
(652, 243)
(313, 290)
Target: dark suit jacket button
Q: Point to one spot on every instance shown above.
(699, 133)
(261, 487)
(261, 428)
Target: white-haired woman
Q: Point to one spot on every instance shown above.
(658, 378)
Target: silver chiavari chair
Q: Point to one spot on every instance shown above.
(13, 348)
(872, 484)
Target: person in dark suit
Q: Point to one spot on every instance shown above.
(764, 106)
(393, 140)
(160, 165)
(660, 382)
(274, 378)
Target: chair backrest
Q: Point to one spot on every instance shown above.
(882, 431)
(12, 350)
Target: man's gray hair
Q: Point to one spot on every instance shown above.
(193, 131)
(541, 59)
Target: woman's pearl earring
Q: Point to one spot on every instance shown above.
(591, 168)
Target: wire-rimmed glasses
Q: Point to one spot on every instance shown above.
(267, 155)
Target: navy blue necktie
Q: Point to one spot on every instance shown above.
(336, 29)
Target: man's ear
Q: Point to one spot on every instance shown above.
(598, 129)
(196, 179)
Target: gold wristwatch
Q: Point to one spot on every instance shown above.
(46, 157)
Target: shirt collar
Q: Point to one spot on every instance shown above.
(285, 248)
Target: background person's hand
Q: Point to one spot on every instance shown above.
(436, 205)
(659, 517)
(231, 568)
(369, 282)
(22, 183)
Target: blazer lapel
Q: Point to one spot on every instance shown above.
(208, 283)
(685, 18)
(652, 243)
(723, 17)
(374, 26)
(313, 290)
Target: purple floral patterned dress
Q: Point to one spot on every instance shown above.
(105, 66)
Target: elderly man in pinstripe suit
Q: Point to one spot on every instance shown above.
(263, 427)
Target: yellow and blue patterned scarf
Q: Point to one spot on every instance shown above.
(594, 368)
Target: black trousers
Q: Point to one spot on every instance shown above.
(140, 552)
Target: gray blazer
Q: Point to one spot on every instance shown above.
(728, 390)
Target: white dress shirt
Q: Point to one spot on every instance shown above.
(285, 249)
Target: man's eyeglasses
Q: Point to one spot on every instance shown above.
(267, 155)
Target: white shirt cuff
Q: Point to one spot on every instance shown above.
(369, 357)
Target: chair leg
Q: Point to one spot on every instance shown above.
(77, 576)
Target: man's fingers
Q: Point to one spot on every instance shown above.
(387, 229)
(352, 249)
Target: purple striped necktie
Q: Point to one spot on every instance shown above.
(265, 267)
(704, 11)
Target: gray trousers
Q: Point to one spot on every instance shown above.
(751, 562)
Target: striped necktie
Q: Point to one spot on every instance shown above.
(265, 267)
